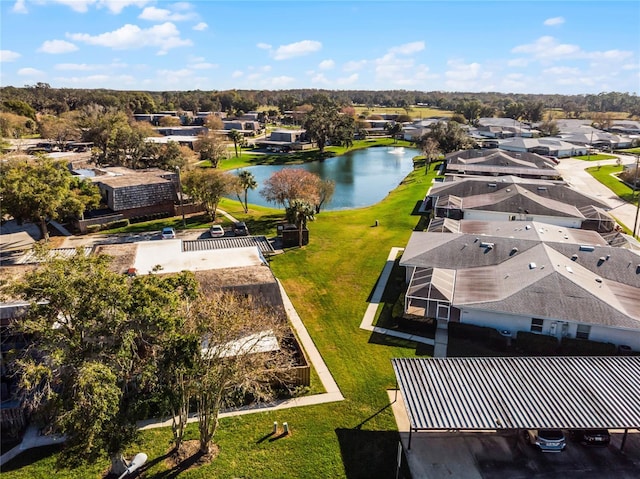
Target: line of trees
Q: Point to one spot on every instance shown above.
(41, 98)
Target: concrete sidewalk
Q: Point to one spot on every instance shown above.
(370, 314)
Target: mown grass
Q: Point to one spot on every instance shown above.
(414, 111)
(329, 282)
(605, 175)
(596, 157)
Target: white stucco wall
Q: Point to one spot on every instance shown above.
(515, 324)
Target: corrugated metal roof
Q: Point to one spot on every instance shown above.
(520, 393)
(232, 242)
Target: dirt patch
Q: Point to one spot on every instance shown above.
(123, 255)
(188, 456)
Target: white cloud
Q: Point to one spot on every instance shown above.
(114, 6)
(203, 66)
(319, 78)
(57, 46)
(390, 69)
(281, 81)
(163, 15)
(297, 49)
(610, 55)
(263, 46)
(20, 7)
(631, 66)
(354, 65)
(181, 73)
(350, 80)
(29, 72)
(407, 48)
(326, 64)
(547, 48)
(237, 74)
(8, 55)
(467, 76)
(518, 62)
(164, 36)
(98, 81)
(200, 26)
(551, 22)
(562, 71)
(80, 67)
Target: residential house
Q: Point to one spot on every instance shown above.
(544, 146)
(561, 289)
(509, 198)
(285, 140)
(499, 162)
(133, 193)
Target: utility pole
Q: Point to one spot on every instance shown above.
(635, 187)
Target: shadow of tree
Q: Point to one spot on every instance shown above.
(370, 454)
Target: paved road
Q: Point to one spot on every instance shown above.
(573, 171)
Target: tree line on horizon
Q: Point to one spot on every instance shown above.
(42, 98)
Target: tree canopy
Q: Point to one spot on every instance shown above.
(42, 190)
(95, 334)
(208, 186)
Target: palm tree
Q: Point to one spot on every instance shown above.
(246, 182)
(393, 130)
(298, 213)
(236, 137)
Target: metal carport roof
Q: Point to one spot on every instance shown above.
(520, 392)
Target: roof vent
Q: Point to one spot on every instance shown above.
(598, 280)
(607, 257)
(486, 245)
(542, 188)
(587, 247)
(569, 270)
(514, 250)
(527, 227)
(532, 266)
(574, 257)
(492, 185)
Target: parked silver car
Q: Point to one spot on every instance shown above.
(547, 440)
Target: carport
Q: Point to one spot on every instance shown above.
(480, 394)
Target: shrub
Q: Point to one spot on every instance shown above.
(471, 331)
(93, 228)
(584, 347)
(117, 223)
(533, 344)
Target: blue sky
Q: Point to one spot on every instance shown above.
(570, 47)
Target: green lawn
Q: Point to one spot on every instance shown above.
(604, 174)
(596, 157)
(329, 282)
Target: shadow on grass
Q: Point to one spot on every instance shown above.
(370, 454)
(30, 456)
(386, 340)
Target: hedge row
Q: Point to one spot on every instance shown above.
(151, 217)
(108, 226)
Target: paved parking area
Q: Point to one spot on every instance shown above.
(497, 455)
(504, 454)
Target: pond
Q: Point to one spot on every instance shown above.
(362, 177)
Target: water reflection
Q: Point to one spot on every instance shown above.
(363, 177)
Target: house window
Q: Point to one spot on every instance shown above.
(536, 325)
(583, 331)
